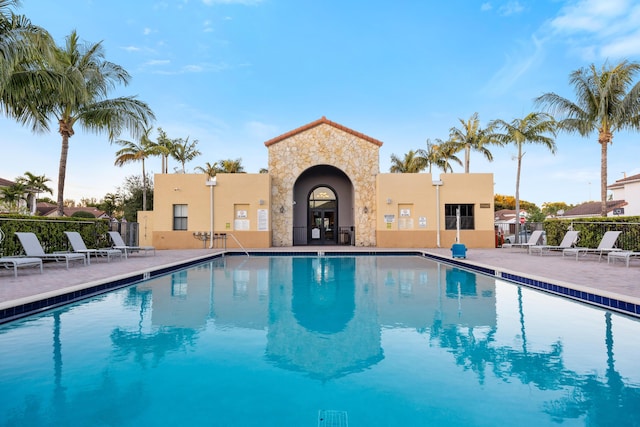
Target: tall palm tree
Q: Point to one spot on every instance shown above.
(209, 169)
(184, 151)
(534, 128)
(231, 166)
(163, 147)
(23, 49)
(472, 137)
(80, 96)
(34, 184)
(446, 154)
(430, 156)
(607, 101)
(133, 152)
(412, 162)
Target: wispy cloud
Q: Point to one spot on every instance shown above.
(261, 131)
(157, 62)
(131, 48)
(486, 6)
(189, 68)
(515, 66)
(243, 2)
(511, 8)
(600, 28)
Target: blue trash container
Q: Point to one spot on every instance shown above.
(458, 250)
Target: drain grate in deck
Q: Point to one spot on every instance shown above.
(331, 418)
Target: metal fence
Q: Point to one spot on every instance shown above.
(50, 233)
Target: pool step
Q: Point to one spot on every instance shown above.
(331, 418)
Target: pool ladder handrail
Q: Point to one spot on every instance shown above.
(239, 244)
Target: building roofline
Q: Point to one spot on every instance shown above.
(318, 122)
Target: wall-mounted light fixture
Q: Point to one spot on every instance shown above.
(176, 189)
(281, 209)
(388, 201)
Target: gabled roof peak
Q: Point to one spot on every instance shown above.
(322, 120)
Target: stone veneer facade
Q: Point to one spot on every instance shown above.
(323, 143)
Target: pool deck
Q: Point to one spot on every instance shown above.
(586, 275)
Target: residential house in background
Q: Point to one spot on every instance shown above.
(627, 189)
(592, 209)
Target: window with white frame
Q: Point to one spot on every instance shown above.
(180, 217)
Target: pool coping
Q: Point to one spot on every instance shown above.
(34, 304)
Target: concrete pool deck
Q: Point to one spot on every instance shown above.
(587, 274)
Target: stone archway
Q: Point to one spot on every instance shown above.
(323, 143)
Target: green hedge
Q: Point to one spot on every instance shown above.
(50, 232)
(592, 229)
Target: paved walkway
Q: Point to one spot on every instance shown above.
(613, 279)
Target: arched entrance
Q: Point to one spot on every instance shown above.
(323, 207)
(323, 216)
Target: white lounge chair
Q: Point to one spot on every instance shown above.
(535, 237)
(118, 243)
(569, 240)
(607, 244)
(19, 262)
(33, 249)
(78, 246)
(624, 256)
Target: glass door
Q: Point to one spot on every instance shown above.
(322, 227)
(323, 217)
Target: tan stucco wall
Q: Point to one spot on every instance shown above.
(231, 193)
(415, 195)
(323, 145)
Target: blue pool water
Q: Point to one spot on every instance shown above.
(321, 341)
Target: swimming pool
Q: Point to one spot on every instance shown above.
(317, 341)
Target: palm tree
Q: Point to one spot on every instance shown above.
(607, 101)
(12, 195)
(184, 151)
(472, 137)
(133, 152)
(231, 166)
(80, 96)
(23, 48)
(163, 148)
(446, 154)
(534, 128)
(34, 184)
(412, 162)
(208, 169)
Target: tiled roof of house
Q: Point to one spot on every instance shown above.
(507, 214)
(593, 208)
(6, 182)
(49, 209)
(621, 182)
(323, 120)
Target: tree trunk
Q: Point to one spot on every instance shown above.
(517, 236)
(604, 139)
(144, 187)
(467, 157)
(62, 171)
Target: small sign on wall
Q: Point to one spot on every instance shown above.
(263, 220)
(422, 222)
(389, 218)
(405, 212)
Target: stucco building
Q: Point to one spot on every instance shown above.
(323, 187)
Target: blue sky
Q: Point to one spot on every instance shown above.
(235, 73)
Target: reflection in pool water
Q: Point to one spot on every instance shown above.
(276, 341)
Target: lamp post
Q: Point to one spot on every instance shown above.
(211, 183)
(437, 184)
